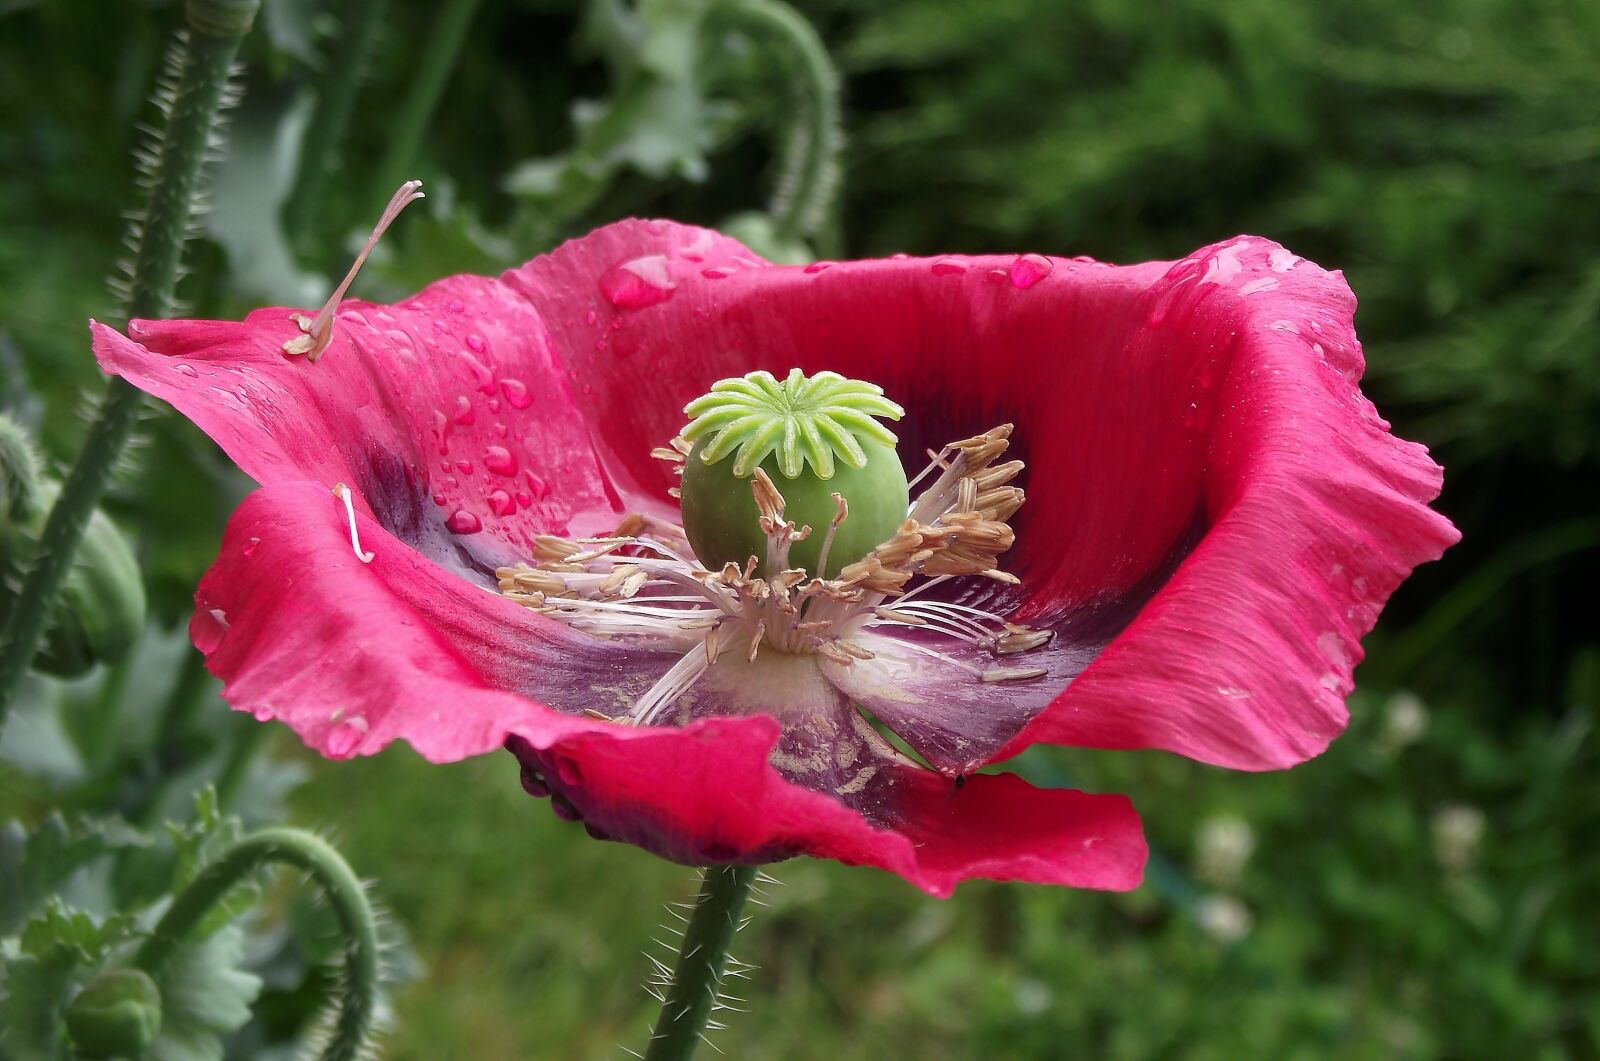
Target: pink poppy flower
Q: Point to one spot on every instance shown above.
(1215, 516)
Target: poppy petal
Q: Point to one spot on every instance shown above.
(353, 655)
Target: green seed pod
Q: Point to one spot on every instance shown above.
(117, 1014)
(814, 438)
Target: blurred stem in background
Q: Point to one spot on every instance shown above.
(348, 62)
(697, 978)
(202, 64)
(425, 89)
(809, 167)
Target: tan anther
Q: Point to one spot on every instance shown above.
(713, 643)
(755, 639)
(899, 617)
(550, 547)
(1020, 639)
(1013, 674)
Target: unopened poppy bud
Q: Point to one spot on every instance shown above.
(815, 437)
(102, 604)
(117, 1014)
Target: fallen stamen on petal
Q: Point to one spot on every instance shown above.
(319, 330)
(342, 492)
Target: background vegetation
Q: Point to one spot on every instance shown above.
(1428, 888)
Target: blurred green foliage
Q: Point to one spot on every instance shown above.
(1426, 889)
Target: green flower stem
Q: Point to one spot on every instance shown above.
(358, 998)
(215, 28)
(348, 62)
(809, 170)
(697, 977)
(427, 85)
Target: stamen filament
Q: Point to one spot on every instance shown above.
(342, 492)
(319, 331)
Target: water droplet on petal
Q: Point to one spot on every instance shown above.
(524, 498)
(1029, 269)
(716, 274)
(501, 504)
(464, 467)
(343, 739)
(591, 318)
(480, 372)
(948, 267)
(464, 414)
(475, 343)
(455, 306)
(185, 370)
(250, 546)
(439, 499)
(500, 460)
(996, 276)
(638, 283)
(817, 267)
(516, 393)
(463, 522)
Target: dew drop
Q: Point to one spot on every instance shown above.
(439, 499)
(463, 522)
(591, 318)
(638, 283)
(500, 460)
(475, 343)
(480, 372)
(185, 370)
(816, 267)
(501, 504)
(715, 274)
(343, 739)
(455, 306)
(494, 405)
(516, 393)
(1029, 269)
(540, 488)
(996, 276)
(464, 414)
(524, 498)
(464, 467)
(250, 546)
(948, 267)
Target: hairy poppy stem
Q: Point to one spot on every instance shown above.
(213, 31)
(359, 991)
(809, 170)
(697, 977)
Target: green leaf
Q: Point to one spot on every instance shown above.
(35, 864)
(33, 994)
(205, 997)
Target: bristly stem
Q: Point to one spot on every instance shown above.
(427, 85)
(809, 167)
(697, 977)
(358, 998)
(348, 63)
(213, 31)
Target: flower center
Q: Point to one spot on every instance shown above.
(648, 584)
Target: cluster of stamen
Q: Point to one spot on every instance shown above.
(642, 583)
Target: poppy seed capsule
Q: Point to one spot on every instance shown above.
(816, 439)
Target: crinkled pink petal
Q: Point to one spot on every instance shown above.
(353, 655)
(448, 413)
